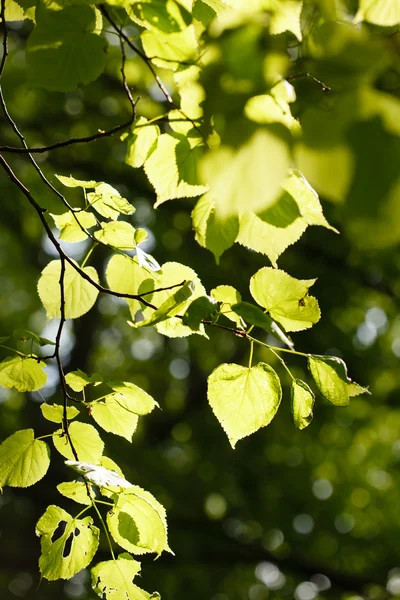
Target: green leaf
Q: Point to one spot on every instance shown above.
(141, 142)
(23, 374)
(15, 12)
(86, 441)
(174, 273)
(71, 182)
(255, 316)
(172, 168)
(244, 399)
(77, 380)
(109, 202)
(113, 417)
(79, 294)
(330, 375)
(255, 172)
(132, 398)
(302, 403)
(171, 306)
(126, 276)
(118, 234)
(23, 335)
(286, 17)
(137, 522)
(227, 295)
(168, 50)
(68, 224)
(63, 51)
(211, 231)
(68, 545)
(158, 15)
(273, 107)
(54, 412)
(75, 490)
(199, 310)
(380, 12)
(113, 579)
(285, 298)
(23, 460)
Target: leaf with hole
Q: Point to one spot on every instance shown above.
(113, 580)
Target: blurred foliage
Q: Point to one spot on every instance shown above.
(307, 514)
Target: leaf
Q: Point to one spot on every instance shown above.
(137, 522)
(85, 439)
(71, 182)
(285, 298)
(23, 335)
(22, 373)
(68, 545)
(158, 15)
(302, 403)
(171, 306)
(99, 475)
(79, 294)
(112, 579)
(243, 399)
(124, 275)
(54, 412)
(15, 12)
(109, 202)
(255, 171)
(113, 417)
(23, 460)
(255, 316)
(227, 295)
(211, 231)
(118, 234)
(203, 308)
(379, 12)
(330, 375)
(173, 273)
(141, 142)
(168, 50)
(286, 17)
(132, 397)
(172, 168)
(63, 51)
(68, 224)
(75, 490)
(78, 380)
(273, 107)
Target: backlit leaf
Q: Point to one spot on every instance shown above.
(255, 316)
(126, 276)
(302, 403)
(109, 202)
(171, 306)
(141, 142)
(380, 12)
(77, 380)
(330, 375)
(285, 298)
(75, 490)
(68, 224)
(113, 417)
(244, 399)
(79, 294)
(86, 441)
(68, 545)
(54, 412)
(22, 373)
(167, 50)
(132, 397)
(23, 460)
(137, 522)
(227, 295)
(118, 234)
(113, 579)
(211, 231)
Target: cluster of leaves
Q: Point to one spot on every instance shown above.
(231, 138)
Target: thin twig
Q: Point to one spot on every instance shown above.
(5, 37)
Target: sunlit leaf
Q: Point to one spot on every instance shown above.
(330, 375)
(77, 380)
(22, 373)
(255, 316)
(55, 412)
(227, 295)
(24, 460)
(75, 490)
(68, 224)
(126, 276)
(79, 294)
(285, 298)
(113, 580)
(141, 142)
(302, 403)
(213, 232)
(109, 202)
(132, 397)
(113, 417)
(102, 476)
(171, 306)
(244, 399)
(68, 545)
(137, 522)
(380, 12)
(118, 234)
(85, 439)
(167, 50)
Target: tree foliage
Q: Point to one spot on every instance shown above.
(247, 112)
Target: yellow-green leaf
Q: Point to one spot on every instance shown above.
(68, 224)
(117, 234)
(75, 490)
(55, 412)
(23, 460)
(113, 579)
(244, 399)
(330, 375)
(79, 294)
(141, 142)
(113, 417)
(22, 373)
(302, 403)
(85, 439)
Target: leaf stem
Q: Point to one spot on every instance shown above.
(88, 255)
(277, 348)
(104, 528)
(282, 362)
(251, 354)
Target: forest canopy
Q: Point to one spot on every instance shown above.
(200, 290)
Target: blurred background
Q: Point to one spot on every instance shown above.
(311, 514)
